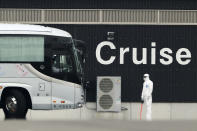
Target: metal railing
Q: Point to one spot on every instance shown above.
(99, 16)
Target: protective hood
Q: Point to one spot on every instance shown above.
(146, 77)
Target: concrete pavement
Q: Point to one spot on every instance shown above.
(97, 125)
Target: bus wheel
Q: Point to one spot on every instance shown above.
(14, 104)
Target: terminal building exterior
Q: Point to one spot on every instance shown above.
(132, 24)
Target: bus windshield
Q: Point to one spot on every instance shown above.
(67, 45)
(61, 60)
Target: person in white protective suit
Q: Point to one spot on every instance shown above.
(146, 95)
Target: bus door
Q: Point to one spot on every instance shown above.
(64, 77)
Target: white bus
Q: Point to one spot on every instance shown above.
(39, 70)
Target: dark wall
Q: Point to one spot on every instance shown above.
(172, 83)
(100, 4)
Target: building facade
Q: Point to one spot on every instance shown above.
(135, 24)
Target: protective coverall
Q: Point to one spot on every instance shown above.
(146, 95)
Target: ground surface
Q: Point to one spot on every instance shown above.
(97, 125)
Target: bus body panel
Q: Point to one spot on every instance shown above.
(43, 90)
(59, 89)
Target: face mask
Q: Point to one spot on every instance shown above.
(145, 78)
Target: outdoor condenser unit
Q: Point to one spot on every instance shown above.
(109, 93)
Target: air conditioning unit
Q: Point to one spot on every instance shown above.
(109, 93)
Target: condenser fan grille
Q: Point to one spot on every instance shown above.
(106, 101)
(106, 85)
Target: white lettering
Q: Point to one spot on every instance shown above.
(180, 56)
(153, 53)
(98, 52)
(122, 52)
(144, 56)
(183, 55)
(167, 56)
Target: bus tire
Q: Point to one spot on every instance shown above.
(14, 104)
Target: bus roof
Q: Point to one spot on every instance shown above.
(32, 30)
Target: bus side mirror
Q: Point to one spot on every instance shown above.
(80, 45)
